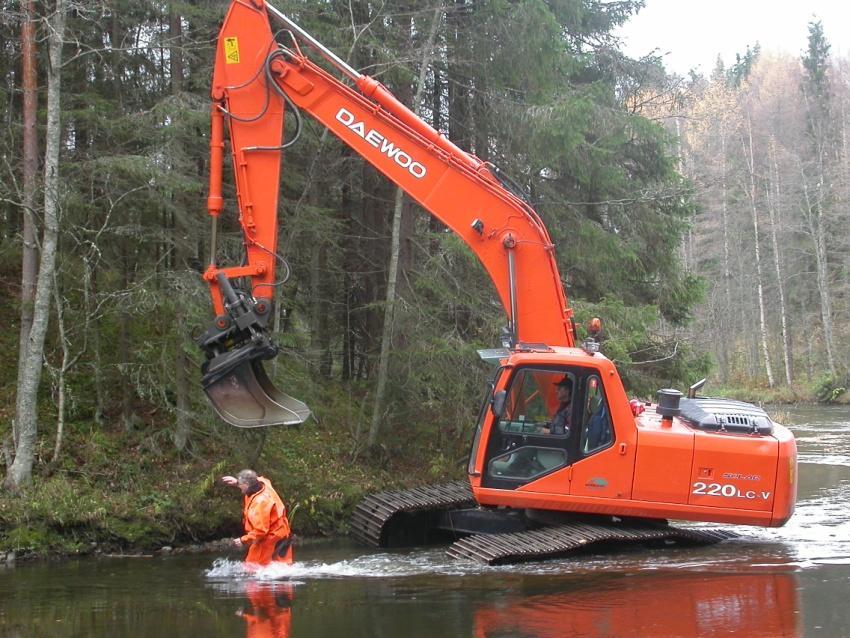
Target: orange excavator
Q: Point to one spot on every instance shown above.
(542, 459)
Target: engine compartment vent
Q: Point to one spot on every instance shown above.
(725, 415)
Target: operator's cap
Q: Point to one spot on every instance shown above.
(566, 381)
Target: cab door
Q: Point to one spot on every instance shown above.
(604, 464)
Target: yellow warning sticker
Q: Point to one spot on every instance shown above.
(231, 50)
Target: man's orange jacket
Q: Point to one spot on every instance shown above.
(265, 522)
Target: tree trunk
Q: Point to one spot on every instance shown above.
(817, 111)
(90, 292)
(687, 245)
(348, 295)
(182, 407)
(181, 390)
(772, 210)
(320, 307)
(725, 333)
(398, 208)
(386, 336)
(128, 414)
(29, 252)
(67, 363)
(815, 223)
(748, 150)
(19, 474)
(434, 225)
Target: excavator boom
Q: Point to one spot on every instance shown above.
(257, 75)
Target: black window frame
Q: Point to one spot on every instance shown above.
(584, 426)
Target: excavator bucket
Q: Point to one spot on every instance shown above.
(246, 398)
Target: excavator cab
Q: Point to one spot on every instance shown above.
(233, 376)
(547, 413)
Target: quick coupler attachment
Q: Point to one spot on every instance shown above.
(234, 380)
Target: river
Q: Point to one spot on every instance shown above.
(792, 581)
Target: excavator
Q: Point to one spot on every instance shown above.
(618, 470)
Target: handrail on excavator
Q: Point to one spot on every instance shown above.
(325, 52)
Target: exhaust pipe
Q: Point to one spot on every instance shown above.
(233, 376)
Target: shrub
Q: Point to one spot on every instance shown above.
(829, 388)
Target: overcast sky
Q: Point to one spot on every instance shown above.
(691, 33)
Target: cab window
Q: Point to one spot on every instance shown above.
(532, 403)
(527, 462)
(597, 432)
(534, 430)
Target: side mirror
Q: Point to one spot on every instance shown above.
(497, 403)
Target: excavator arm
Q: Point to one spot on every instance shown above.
(258, 73)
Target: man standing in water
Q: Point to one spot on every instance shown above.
(267, 532)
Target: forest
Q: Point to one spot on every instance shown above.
(765, 145)
(702, 218)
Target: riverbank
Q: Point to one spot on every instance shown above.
(826, 390)
(132, 493)
(783, 395)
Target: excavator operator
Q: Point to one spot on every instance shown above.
(563, 417)
(267, 532)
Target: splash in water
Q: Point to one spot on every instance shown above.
(380, 565)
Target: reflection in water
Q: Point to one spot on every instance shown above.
(662, 604)
(270, 614)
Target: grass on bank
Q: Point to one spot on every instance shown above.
(118, 491)
(827, 388)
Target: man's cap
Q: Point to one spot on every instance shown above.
(565, 381)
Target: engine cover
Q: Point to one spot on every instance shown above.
(725, 415)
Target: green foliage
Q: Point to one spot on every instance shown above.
(647, 359)
(831, 388)
(740, 70)
(816, 58)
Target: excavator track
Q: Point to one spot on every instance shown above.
(375, 517)
(407, 517)
(555, 541)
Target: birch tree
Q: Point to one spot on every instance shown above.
(19, 474)
(774, 202)
(749, 152)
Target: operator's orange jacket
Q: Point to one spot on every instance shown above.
(265, 522)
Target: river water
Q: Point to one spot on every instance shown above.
(792, 581)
